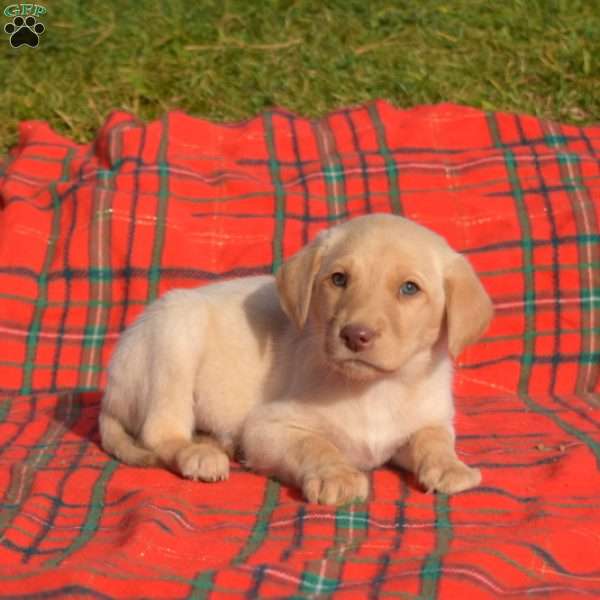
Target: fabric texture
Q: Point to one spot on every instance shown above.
(89, 234)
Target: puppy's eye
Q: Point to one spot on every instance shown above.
(409, 288)
(339, 279)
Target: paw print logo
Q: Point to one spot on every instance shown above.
(24, 31)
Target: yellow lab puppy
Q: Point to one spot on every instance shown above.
(339, 364)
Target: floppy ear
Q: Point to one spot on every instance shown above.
(469, 309)
(295, 280)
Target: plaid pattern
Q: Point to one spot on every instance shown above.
(90, 234)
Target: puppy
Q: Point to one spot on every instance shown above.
(339, 364)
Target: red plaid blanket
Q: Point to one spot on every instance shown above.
(89, 234)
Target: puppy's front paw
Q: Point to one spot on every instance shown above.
(448, 476)
(203, 462)
(335, 484)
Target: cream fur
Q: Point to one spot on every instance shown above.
(258, 366)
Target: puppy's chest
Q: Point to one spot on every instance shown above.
(379, 427)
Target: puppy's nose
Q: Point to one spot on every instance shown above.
(357, 337)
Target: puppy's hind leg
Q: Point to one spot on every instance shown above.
(117, 441)
(202, 459)
(178, 338)
(194, 457)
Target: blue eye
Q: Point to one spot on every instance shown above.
(409, 288)
(339, 279)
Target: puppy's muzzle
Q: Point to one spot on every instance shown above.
(357, 337)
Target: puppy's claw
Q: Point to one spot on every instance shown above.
(204, 463)
(336, 485)
(448, 477)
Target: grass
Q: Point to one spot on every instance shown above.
(231, 60)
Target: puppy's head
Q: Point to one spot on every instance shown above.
(379, 290)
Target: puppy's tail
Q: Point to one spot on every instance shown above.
(116, 441)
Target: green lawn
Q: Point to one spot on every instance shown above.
(231, 60)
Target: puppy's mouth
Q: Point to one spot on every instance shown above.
(353, 365)
(358, 368)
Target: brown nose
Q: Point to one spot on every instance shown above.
(357, 337)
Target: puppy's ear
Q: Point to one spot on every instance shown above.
(469, 309)
(295, 280)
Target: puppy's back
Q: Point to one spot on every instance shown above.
(216, 343)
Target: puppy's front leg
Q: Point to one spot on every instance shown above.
(323, 474)
(305, 459)
(430, 455)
